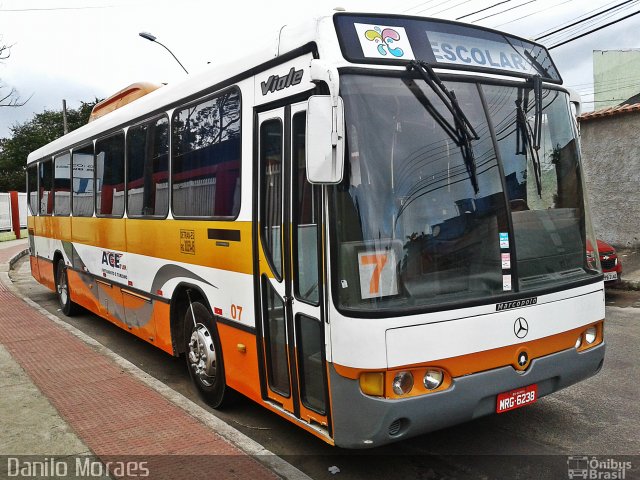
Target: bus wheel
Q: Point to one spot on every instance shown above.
(204, 354)
(62, 290)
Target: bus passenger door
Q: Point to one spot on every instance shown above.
(289, 269)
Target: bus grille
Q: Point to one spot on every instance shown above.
(395, 427)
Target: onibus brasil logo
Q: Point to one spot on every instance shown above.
(384, 39)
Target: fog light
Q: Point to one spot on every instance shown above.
(591, 334)
(403, 383)
(579, 342)
(433, 379)
(372, 383)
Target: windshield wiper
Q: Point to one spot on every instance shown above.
(526, 137)
(536, 80)
(462, 132)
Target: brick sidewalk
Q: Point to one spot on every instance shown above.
(7, 253)
(115, 414)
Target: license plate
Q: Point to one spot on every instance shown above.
(610, 276)
(516, 398)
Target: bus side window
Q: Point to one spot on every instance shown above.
(46, 187)
(62, 185)
(32, 186)
(110, 176)
(271, 134)
(82, 166)
(206, 139)
(305, 198)
(148, 169)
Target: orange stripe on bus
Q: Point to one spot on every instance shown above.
(490, 359)
(164, 239)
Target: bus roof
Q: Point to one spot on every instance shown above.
(342, 39)
(289, 39)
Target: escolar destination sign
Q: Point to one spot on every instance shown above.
(460, 50)
(393, 39)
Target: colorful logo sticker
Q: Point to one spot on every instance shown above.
(504, 240)
(506, 283)
(384, 40)
(506, 261)
(380, 41)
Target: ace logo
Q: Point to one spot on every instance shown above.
(112, 259)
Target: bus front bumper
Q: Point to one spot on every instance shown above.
(362, 421)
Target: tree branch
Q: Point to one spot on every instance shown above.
(12, 99)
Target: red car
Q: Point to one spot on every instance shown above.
(611, 266)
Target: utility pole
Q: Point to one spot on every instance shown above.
(64, 117)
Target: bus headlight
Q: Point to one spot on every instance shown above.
(402, 383)
(591, 334)
(579, 342)
(433, 379)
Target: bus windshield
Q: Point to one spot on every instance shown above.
(415, 227)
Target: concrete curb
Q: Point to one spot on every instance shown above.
(239, 439)
(13, 260)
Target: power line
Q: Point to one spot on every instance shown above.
(434, 6)
(613, 89)
(604, 101)
(580, 16)
(530, 14)
(620, 82)
(450, 8)
(483, 10)
(576, 85)
(579, 29)
(592, 91)
(584, 19)
(503, 11)
(418, 5)
(594, 30)
(591, 23)
(52, 9)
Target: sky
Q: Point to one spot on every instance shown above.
(82, 49)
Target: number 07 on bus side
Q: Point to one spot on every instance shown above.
(516, 398)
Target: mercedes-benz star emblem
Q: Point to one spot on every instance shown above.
(521, 328)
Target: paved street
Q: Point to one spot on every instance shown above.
(600, 416)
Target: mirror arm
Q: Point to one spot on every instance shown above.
(327, 73)
(324, 72)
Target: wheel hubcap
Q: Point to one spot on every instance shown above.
(202, 355)
(62, 289)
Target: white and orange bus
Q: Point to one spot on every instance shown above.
(376, 227)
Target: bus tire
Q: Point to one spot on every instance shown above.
(203, 354)
(67, 307)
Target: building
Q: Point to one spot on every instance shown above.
(611, 156)
(616, 76)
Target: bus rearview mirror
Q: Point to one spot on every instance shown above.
(325, 140)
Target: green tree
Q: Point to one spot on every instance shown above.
(29, 136)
